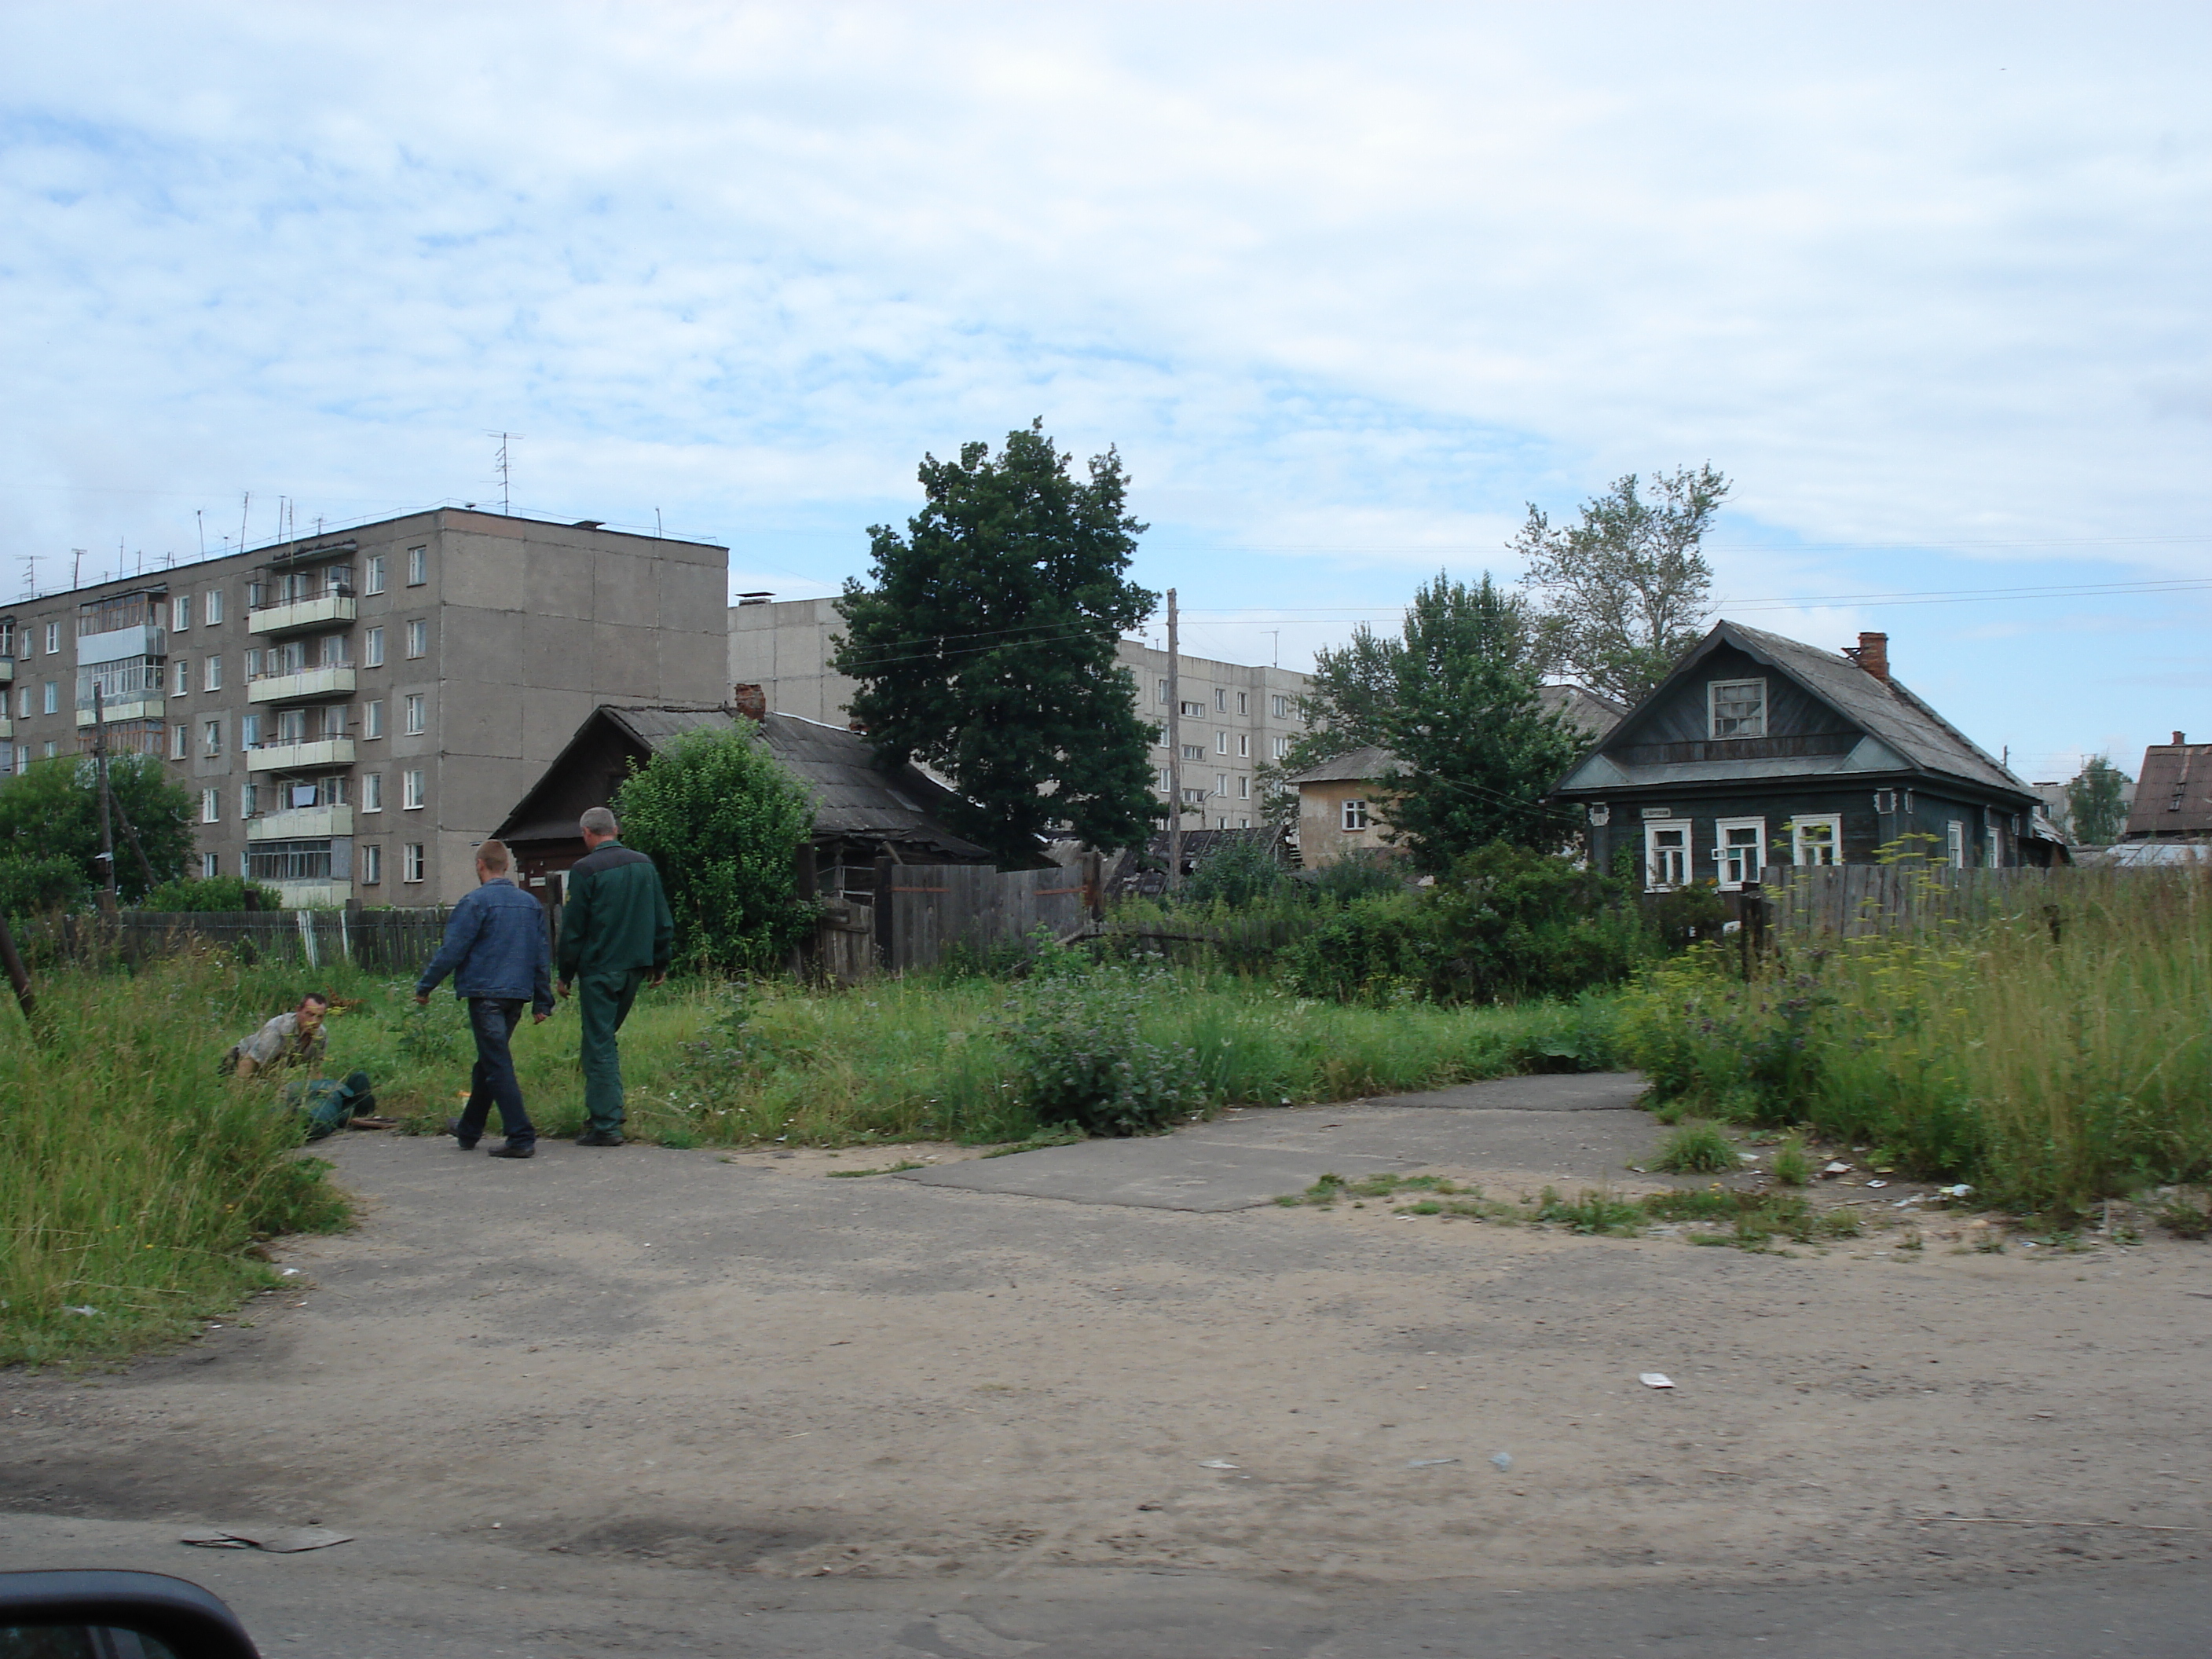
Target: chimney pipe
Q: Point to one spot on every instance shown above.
(2180, 738)
(1873, 655)
(750, 702)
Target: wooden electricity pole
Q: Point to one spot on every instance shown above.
(100, 768)
(1175, 752)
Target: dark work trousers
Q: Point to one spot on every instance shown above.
(493, 1082)
(604, 1001)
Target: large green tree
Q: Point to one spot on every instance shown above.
(2096, 803)
(1624, 592)
(51, 813)
(984, 645)
(723, 820)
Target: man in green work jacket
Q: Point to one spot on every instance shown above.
(615, 933)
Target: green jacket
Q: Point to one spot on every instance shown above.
(617, 918)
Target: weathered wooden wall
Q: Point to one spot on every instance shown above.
(1859, 901)
(385, 941)
(922, 910)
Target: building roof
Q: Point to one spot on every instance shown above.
(856, 797)
(1591, 712)
(2173, 795)
(1902, 733)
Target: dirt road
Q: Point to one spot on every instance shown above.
(654, 1358)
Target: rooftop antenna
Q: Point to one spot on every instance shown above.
(30, 576)
(199, 518)
(76, 568)
(502, 465)
(656, 524)
(244, 505)
(1276, 635)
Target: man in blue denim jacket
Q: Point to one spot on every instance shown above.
(496, 949)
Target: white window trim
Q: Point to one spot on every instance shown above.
(415, 714)
(1756, 846)
(210, 806)
(1353, 819)
(414, 790)
(1652, 850)
(1803, 847)
(419, 565)
(371, 865)
(372, 648)
(1712, 710)
(1994, 839)
(211, 607)
(371, 792)
(1954, 851)
(374, 574)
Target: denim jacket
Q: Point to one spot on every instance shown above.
(495, 946)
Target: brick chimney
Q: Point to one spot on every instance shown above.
(750, 702)
(2180, 738)
(1872, 654)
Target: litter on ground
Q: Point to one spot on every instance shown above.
(1655, 1379)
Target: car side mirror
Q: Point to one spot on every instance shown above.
(84, 1614)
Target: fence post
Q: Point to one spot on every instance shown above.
(885, 940)
(306, 921)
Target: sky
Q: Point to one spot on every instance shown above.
(1348, 287)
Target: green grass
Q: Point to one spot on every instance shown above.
(1698, 1149)
(133, 1179)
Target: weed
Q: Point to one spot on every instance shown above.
(1035, 1143)
(1793, 1165)
(1592, 1212)
(888, 1168)
(2183, 1216)
(1698, 1149)
(1911, 1242)
(1990, 1243)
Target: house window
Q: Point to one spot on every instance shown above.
(1280, 747)
(1243, 788)
(53, 698)
(211, 602)
(1194, 751)
(1190, 710)
(371, 718)
(22, 703)
(1221, 784)
(1243, 823)
(1163, 690)
(418, 637)
(184, 677)
(1666, 856)
(413, 726)
(1244, 702)
(372, 570)
(1221, 742)
(53, 637)
(1244, 745)
(1955, 850)
(1281, 706)
(1739, 845)
(180, 612)
(211, 674)
(180, 741)
(210, 806)
(1221, 703)
(371, 865)
(371, 792)
(49, 749)
(410, 861)
(249, 731)
(253, 664)
(1355, 817)
(210, 863)
(249, 799)
(1813, 841)
(372, 648)
(1995, 855)
(1739, 707)
(419, 565)
(410, 791)
(1165, 783)
(211, 736)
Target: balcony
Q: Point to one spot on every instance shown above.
(300, 823)
(304, 685)
(131, 706)
(320, 754)
(114, 644)
(292, 615)
(322, 894)
(7, 670)
(6, 727)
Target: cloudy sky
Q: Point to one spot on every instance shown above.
(1348, 285)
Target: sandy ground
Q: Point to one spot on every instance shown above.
(692, 1359)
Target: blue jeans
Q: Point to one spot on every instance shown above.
(493, 1019)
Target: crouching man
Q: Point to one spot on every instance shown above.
(495, 950)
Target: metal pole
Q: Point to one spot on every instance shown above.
(1174, 751)
(99, 767)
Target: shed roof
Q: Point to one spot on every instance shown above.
(2173, 795)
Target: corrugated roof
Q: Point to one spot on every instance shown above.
(2173, 796)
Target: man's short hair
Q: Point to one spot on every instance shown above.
(600, 821)
(492, 854)
(306, 997)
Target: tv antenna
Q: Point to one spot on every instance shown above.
(503, 465)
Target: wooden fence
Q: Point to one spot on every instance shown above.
(923, 911)
(382, 941)
(1860, 900)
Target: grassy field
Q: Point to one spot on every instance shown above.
(2052, 1058)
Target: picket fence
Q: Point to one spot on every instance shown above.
(383, 941)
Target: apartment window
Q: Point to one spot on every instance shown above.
(372, 570)
(1190, 710)
(253, 659)
(1221, 742)
(371, 792)
(1355, 817)
(249, 798)
(180, 612)
(210, 863)
(1163, 690)
(1243, 788)
(1279, 747)
(1194, 751)
(372, 860)
(22, 703)
(1813, 841)
(1739, 845)
(53, 638)
(249, 731)
(419, 565)
(211, 736)
(49, 749)
(410, 791)
(1243, 699)
(51, 694)
(1165, 782)
(1738, 708)
(210, 806)
(1243, 745)
(1956, 834)
(180, 741)
(183, 677)
(1666, 855)
(413, 726)
(410, 861)
(211, 674)
(1221, 699)
(371, 718)
(1281, 706)
(372, 648)
(1159, 737)
(1221, 783)
(211, 602)
(418, 637)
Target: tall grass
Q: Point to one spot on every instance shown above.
(133, 1178)
(2052, 1056)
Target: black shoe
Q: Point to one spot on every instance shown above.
(467, 1143)
(528, 1149)
(598, 1138)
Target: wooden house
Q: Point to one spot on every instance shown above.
(1758, 750)
(2173, 794)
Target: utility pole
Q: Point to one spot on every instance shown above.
(1175, 752)
(100, 766)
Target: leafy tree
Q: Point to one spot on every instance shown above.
(213, 893)
(53, 811)
(985, 645)
(1625, 592)
(2096, 809)
(32, 886)
(723, 821)
(1346, 706)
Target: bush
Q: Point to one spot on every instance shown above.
(1236, 873)
(1357, 876)
(31, 886)
(723, 821)
(1080, 1056)
(212, 893)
